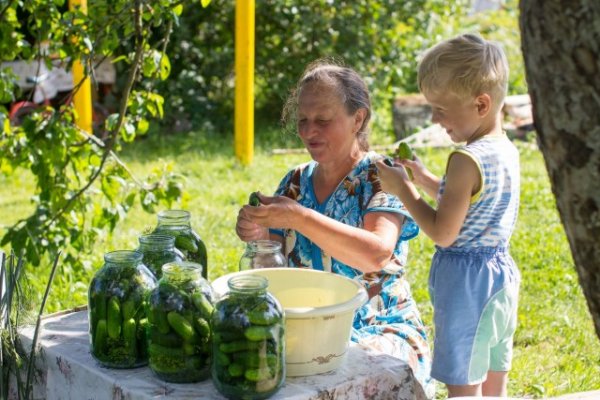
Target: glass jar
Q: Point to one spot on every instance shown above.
(262, 254)
(179, 333)
(158, 250)
(176, 223)
(116, 307)
(248, 341)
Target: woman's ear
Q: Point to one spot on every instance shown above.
(483, 102)
(359, 119)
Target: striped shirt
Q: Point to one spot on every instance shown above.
(492, 215)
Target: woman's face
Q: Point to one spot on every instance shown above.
(326, 129)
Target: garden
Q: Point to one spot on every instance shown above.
(186, 159)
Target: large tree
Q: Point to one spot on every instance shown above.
(561, 48)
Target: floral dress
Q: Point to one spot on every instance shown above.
(390, 322)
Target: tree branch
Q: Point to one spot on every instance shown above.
(109, 144)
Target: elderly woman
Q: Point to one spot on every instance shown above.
(330, 214)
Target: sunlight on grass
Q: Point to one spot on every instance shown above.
(556, 349)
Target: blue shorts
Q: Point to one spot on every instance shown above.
(475, 296)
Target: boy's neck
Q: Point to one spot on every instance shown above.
(489, 127)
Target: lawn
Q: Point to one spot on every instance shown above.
(556, 349)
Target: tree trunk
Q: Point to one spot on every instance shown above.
(561, 48)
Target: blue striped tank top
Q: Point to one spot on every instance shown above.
(492, 215)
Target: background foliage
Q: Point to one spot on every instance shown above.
(381, 39)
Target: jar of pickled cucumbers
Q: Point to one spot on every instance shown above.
(248, 340)
(179, 334)
(176, 223)
(262, 254)
(116, 307)
(158, 250)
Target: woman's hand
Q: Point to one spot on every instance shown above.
(248, 230)
(278, 212)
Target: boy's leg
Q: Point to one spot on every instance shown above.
(464, 390)
(495, 384)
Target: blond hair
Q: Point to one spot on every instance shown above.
(348, 85)
(466, 65)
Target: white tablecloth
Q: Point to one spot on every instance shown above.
(68, 371)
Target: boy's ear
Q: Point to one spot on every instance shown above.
(483, 103)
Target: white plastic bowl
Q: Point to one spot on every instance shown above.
(319, 310)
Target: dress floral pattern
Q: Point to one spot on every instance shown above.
(390, 322)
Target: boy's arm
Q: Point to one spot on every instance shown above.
(443, 224)
(422, 177)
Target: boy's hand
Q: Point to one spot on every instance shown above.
(392, 178)
(419, 172)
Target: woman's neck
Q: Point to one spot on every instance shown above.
(327, 176)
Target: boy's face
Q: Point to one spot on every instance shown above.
(459, 116)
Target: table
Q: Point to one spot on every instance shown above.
(68, 371)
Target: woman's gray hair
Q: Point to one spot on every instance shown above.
(350, 87)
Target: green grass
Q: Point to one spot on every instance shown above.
(556, 349)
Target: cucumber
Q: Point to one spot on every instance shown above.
(222, 359)
(100, 306)
(258, 374)
(253, 359)
(263, 317)
(129, 335)
(113, 318)
(162, 351)
(170, 339)
(254, 200)
(258, 333)
(404, 152)
(128, 309)
(189, 349)
(100, 337)
(202, 304)
(182, 326)
(235, 370)
(238, 345)
(159, 319)
(141, 328)
(202, 327)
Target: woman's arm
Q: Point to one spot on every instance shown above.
(367, 249)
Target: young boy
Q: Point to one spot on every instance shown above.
(473, 280)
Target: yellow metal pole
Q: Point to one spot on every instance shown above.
(244, 80)
(82, 99)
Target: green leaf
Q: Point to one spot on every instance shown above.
(165, 66)
(142, 126)
(205, 3)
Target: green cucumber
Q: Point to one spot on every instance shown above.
(258, 374)
(128, 309)
(182, 326)
(170, 339)
(100, 306)
(238, 345)
(258, 333)
(202, 327)
(160, 320)
(235, 370)
(404, 152)
(113, 318)
(254, 200)
(263, 317)
(162, 351)
(129, 335)
(189, 348)
(222, 359)
(253, 359)
(100, 337)
(202, 304)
